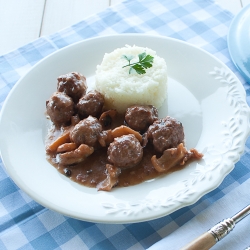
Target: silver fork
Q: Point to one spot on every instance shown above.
(217, 232)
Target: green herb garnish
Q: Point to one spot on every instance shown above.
(145, 61)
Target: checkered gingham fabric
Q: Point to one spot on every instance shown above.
(24, 224)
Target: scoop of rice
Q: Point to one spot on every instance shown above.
(122, 89)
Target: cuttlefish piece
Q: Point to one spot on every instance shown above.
(75, 156)
(63, 138)
(173, 157)
(107, 118)
(66, 147)
(111, 179)
(124, 130)
(105, 138)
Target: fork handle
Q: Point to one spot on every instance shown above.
(204, 242)
(213, 235)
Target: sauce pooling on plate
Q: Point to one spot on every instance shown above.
(100, 148)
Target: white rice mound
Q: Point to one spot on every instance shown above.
(122, 89)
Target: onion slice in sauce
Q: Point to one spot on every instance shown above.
(124, 130)
(173, 157)
(75, 156)
(111, 180)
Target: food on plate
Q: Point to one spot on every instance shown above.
(124, 87)
(60, 108)
(112, 135)
(90, 104)
(139, 117)
(165, 133)
(125, 151)
(87, 131)
(74, 156)
(102, 152)
(72, 84)
(173, 156)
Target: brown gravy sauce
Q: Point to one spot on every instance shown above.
(92, 170)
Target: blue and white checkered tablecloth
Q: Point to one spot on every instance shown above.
(24, 224)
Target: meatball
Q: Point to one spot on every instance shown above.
(73, 84)
(60, 108)
(139, 117)
(87, 131)
(165, 133)
(125, 151)
(90, 104)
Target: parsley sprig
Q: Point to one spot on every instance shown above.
(145, 61)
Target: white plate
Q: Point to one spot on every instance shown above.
(203, 94)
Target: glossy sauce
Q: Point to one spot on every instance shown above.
(93, 170)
